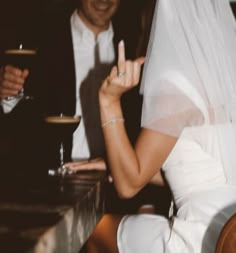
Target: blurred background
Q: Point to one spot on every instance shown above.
(21, 17)
(18, 17)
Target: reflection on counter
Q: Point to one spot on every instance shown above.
(54, 215)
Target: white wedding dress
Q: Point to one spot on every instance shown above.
(204, 200)
(189, 91)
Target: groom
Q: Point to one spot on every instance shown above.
(76, 49)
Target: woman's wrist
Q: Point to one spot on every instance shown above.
(105, 100)
(110, 109)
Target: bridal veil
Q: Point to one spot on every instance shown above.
(189, 77)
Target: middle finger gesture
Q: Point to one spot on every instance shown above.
(123, 77)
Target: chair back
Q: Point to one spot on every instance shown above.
(227, 240)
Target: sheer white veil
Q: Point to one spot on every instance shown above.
(189, 77)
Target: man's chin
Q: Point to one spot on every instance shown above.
(103, 24)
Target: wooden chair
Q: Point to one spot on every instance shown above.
(227, 239)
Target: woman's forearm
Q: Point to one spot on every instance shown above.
(131, 168)
(122, 158)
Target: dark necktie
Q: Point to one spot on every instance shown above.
(90, 105)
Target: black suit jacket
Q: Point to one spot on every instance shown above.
(52, 83)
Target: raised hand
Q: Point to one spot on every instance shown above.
(11, 81)
(122, 78)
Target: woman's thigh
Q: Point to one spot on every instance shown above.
(104, 237)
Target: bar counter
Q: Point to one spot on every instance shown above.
(52, 215)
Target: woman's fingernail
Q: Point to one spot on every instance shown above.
(121, 43)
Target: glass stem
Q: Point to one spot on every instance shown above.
(62, 154)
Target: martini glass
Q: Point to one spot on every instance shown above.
(62, 127)
(23, 58)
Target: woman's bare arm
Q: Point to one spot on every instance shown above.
(158, 179)
(131, 168)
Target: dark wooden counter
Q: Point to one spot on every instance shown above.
(50, 215)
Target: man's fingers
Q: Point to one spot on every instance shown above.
(15, 71)
(7, 92)
(11, 85)
(13, 78)
(25, 73)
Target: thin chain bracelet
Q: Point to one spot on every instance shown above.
(113, 121)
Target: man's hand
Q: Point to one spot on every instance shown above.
(12, 80)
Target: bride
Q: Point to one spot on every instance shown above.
(188, 130)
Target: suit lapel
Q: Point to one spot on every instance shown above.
(56, 62)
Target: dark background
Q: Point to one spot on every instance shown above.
(20, 17)
(234, 7)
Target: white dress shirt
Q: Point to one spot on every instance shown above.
(9, 104)
(84, 55)
(84, 43)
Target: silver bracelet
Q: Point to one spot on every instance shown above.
(113, 121)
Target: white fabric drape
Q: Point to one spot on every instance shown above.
(189, 77)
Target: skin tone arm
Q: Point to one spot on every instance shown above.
(131, 168)
(99, 164)
(11, 81)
